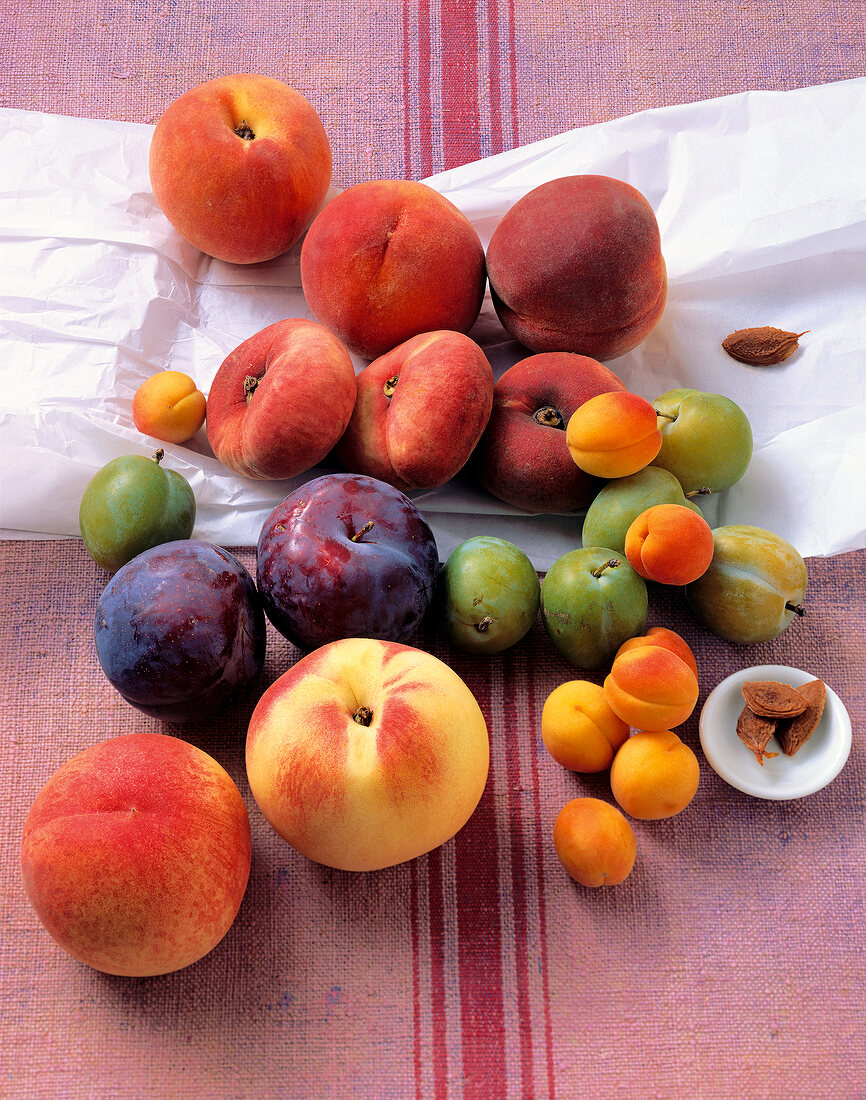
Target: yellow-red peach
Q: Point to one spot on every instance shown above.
(667, 639)
(614, 435)
(654, 775)
(367, 753)
(168, 406)
(651, 688)
(578, 727)
(594, 842)
(136, 854)
(281, 400)
(239, 166)
(669, 544)
(420, 411)
(576, 265)
(387, 260)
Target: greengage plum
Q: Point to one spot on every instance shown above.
(488, 595)
(180, 630)
(591, 602)
(621, 501)
(346, 556)
(706, 439)
(754, 587)
(131, 504)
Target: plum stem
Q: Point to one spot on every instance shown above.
(390, 385)
(704, 491)
(158, 455)
(244, 131)
(549, 416)
(797, 608)
(484, 624)
(667, 416)
(363, 716)
(368, 526)
(250, 383)
(611, 563)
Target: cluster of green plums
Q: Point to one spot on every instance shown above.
(591, 600)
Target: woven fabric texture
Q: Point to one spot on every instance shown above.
(731, 962)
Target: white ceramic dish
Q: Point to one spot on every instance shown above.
(812, 767)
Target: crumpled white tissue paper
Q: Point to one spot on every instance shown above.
(761, 201)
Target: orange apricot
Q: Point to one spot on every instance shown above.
(667, 639)
(579, 729)
(613, 434)
(594, 842)
(669, 544)
(651, 688)
(654, 775)
(168, 406)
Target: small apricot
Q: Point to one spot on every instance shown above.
(594, 842)
(669, 544)
(654, 775)
(651, 688)
(168, 406)
(613, 435)
(667, 639)
(578, 727)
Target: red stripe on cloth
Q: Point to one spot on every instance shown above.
(518, 892)
(495, 92)
(512, 74)
(407, 94)
(425, 106)
(461, 119)
(540, 845)
(480, 942)
(414, 916)
(437, 976)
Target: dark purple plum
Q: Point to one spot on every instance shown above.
(346, 556)
(180, 630)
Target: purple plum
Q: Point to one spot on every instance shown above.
(180, 630)
(346, 556)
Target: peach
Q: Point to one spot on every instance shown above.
(367, 753)
(420, 411)
(578, 727)
(281, 400)
(239, 166)
(522, 457)
(669, 544)
(576, 265)
(594, 842)
(136, 854)
(654, 775)
(387, 260)
(169, 407)
(651, 688)
(613, 435)
(667, 639)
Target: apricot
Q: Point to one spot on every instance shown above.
(576, 265)
(654, 775)
(168, 406)
(651, 688)
(387, 260)
(613, 435)
(667, 639)
(578, 727)
(669, 544)
(594, 842)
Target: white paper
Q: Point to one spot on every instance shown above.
(761, 201)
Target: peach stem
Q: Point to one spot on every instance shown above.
(363, 716)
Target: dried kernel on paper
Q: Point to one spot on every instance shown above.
(762, 347)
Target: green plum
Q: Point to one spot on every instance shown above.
(488, 595)
(706, 439)
(132, 504)
(754, 587)
(622, 500)
(591, 602)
